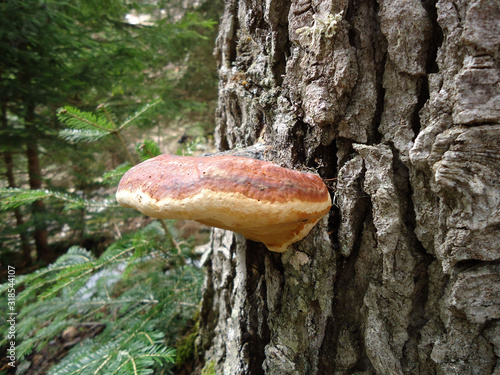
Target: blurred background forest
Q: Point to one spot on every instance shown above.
(87, 90)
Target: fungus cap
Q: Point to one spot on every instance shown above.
(260, 200)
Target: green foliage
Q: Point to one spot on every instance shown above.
(12, 198)
(73, 53)
(125, 297)
(115, 358)
(83, 127)
(105, 123)
(149, 149)
(140, 291)
(112, 178)
(90, 127)
(137, 309)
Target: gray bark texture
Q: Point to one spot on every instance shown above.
(399, 101)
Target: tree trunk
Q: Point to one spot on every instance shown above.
(40, 234)
(398, 100)
(9, 173)
(23, 236)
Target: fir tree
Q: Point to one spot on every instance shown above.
(116, 306)
(124, 306)
(56, 53)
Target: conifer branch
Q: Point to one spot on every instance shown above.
(15, 197)
(108, 115)
(139, 113)
(107, 358)
(168, 235)
(148, 149)
(77, 119)
(130, 157)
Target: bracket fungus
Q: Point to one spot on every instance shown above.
(260, 200)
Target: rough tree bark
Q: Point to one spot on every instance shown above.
(398, 100)
(40, 233)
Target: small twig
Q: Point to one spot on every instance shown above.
(108, 115)
(131, 158)
(118, 232)
(117, 133)
(169, 236)
(90, 324)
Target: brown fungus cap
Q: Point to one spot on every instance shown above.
(262, 201)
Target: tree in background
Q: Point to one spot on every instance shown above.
(121, 302)
(56, 53)
(120, 312)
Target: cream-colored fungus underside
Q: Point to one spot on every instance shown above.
(276, 224)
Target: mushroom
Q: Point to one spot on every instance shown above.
(260, 200)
